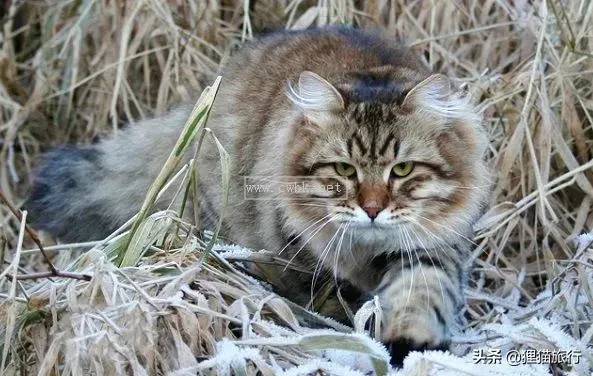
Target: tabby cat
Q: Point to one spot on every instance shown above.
(335, 106)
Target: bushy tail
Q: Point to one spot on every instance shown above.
(85, 193)
(59, 201)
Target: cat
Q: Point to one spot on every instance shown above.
(340, 107)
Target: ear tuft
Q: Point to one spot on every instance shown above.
(314, 93)
(435, 87)
(436, 95)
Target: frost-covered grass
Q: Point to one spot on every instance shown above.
(181, 304)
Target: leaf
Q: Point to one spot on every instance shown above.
(195, 122)
(151, 229)
(350, 342)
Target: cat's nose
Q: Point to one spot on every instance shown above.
(372, 211)
(372, 198)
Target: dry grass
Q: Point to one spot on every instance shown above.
(74, 70)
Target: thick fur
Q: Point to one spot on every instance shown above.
(295, 104)
(85, 193)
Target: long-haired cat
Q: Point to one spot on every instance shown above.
(334, 106)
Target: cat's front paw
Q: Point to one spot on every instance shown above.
(414, 332)
(399, 348)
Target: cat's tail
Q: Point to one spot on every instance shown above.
(85, 193)
(64, 199)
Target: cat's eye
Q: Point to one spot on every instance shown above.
(344, 169)
(402, 169)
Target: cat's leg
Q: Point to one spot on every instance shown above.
(420, 296)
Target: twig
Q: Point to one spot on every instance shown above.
(32, 233)
(21, 277)
(53, 271)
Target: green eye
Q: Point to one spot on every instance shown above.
(402, 169)
(345, 169)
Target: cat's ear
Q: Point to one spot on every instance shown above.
(435, 87)
(316, 97)
(437, 96)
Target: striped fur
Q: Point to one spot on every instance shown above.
(353, 97)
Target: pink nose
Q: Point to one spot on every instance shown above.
(372, 211)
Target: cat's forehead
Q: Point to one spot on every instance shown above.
(373, 115)
(378, 133)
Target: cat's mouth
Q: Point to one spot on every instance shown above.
(375, 225)
(380, 223)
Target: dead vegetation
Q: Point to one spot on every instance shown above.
(71, 71)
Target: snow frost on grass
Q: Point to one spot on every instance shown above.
(438, 363)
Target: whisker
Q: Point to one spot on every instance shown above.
(415, 252)
(439, 239)
(302, 232)
(321, 262)
(350, 247)
(309, 239)
(339, 248)
(408, 251)
(308, 204)
(432, 261)
(450, 229)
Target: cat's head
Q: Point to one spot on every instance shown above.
(408, 156)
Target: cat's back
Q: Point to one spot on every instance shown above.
(330, 52)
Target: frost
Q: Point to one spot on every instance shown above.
(585, 240)
(350, 359)
(230, 359)
(235, 251)
(438, 363)
(314, 366)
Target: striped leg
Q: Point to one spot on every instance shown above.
(419, 300)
